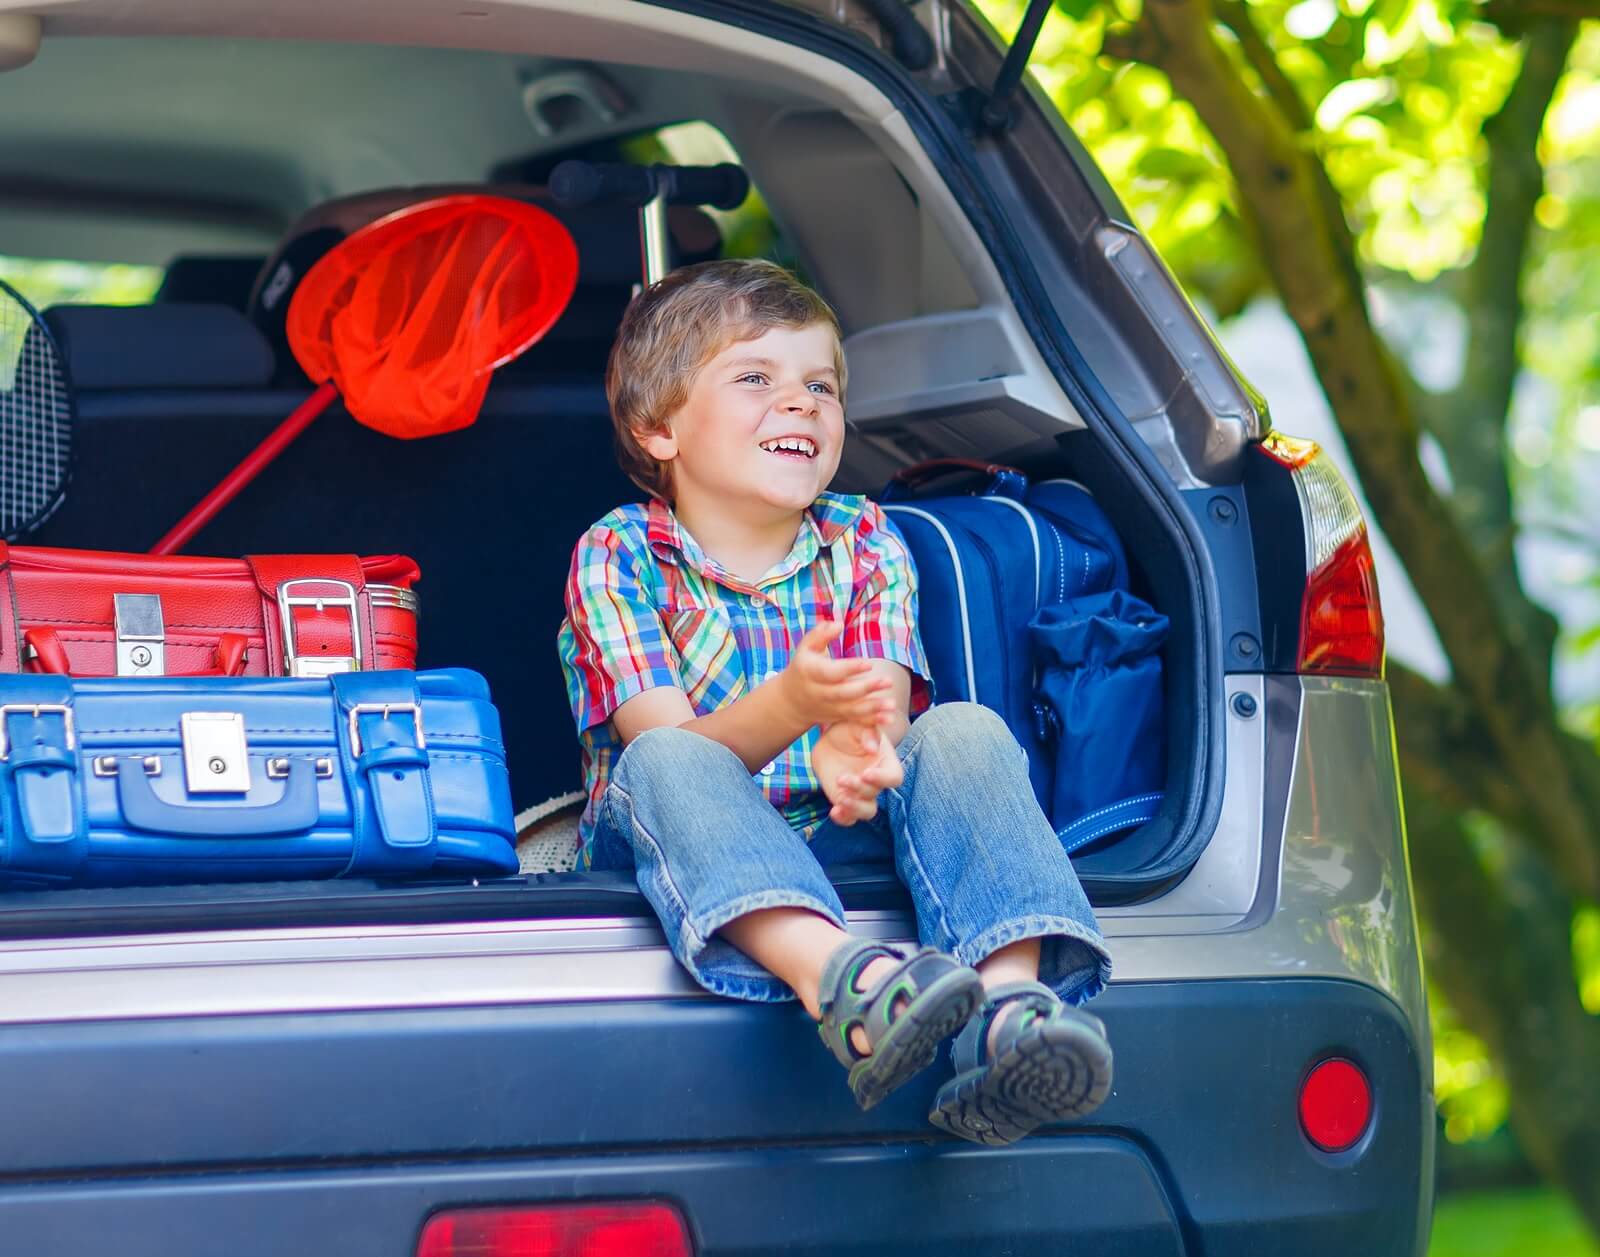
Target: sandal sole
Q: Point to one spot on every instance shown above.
(932, 1018)
(1060, 1071)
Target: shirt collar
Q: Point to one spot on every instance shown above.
(830, 516)
(835, 513)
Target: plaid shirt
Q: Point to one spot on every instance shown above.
(646, 606)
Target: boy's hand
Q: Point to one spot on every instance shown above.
(855, 762)
(821, 690)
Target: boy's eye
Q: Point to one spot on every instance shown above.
(752, 377)
(820, 386)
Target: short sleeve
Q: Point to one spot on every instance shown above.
(612, 643)
(882, 621)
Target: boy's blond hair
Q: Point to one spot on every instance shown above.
(676, 326)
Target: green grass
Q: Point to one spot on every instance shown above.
(1534, 1222)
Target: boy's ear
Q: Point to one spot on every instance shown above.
(660, 444)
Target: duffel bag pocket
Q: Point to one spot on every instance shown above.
(1100, 701)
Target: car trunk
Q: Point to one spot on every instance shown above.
(491, 598)
(491, 513)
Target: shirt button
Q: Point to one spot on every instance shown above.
(758, 600)
(769, 768)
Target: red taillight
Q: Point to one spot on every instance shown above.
(599, 1230)
(1341, 618)
(1335, 1105)
(1341, 626)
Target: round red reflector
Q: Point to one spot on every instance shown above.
(1335, 1105)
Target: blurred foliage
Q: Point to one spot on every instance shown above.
(1397, 92)
(47, 281)
(1394, 95)
(1530, 1223)
(1555, 428)
(1561, 333)
(1469, 1087)
(1586, 955)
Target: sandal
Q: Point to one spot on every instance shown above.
(1051, 1062)
(940, 996)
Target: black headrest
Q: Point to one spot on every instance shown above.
(160, 346)
(223, 280)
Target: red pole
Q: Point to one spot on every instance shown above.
(250, 466)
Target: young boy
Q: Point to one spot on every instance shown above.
(742, 658)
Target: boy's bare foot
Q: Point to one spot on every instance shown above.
(868, 981)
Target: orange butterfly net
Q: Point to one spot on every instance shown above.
(409, 315)
(407, 318)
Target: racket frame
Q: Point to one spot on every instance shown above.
(69, 423)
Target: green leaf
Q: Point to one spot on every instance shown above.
(1174, 163)
(1581, 643)
(1077, 10)
(1351, 97)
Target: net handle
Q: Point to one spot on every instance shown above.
(250, 466)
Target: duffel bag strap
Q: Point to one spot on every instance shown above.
(1004, 481)
(1123, 814)
(384, 751)
(45, 831)
(318, 619)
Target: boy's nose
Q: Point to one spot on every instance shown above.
(803, 402)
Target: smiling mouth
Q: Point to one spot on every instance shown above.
(800, 447)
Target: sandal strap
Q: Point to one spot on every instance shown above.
(844, 1005)
(971, 1046)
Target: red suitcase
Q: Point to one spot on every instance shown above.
(94, 613)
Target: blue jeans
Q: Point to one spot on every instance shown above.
(966, 836)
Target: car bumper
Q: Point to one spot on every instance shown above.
(342, 1132)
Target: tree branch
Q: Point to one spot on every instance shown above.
(1235, 15)
(1513, 16)
(1470, 423)
(1289, 195)
(1444, 751)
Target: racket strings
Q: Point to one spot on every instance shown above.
(35, 419)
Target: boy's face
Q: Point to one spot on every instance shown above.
(762, 426)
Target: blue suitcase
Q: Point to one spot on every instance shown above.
(988, 565)
(121, 782)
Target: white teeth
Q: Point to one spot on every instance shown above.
(793, 444)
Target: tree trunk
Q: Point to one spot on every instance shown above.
(1500, 947)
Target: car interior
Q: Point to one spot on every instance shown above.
(256, 154)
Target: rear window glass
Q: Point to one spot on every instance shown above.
(47, 282)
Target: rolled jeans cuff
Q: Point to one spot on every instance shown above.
(719, 966)
(1073, 960)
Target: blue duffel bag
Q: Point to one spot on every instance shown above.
(120, 782)
(1100, 699)
(988, 564)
